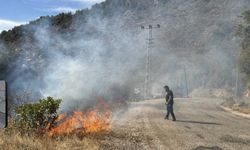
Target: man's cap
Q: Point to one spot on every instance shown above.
(166, 87)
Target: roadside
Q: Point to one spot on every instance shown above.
(235, 112)
(242, 107)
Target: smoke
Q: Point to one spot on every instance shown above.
(94, 60)
(102, 52)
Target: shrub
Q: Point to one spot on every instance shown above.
(229, 102)
(37, 116)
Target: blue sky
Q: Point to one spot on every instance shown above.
(16, 12)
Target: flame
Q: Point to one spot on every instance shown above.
(91, 121)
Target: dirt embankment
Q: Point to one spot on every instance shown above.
(229, 103)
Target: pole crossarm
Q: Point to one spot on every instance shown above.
(150, 27)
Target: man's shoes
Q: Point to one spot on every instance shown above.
(166, 117)
(174, 119)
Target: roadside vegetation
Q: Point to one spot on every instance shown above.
(30, 126)
(244, 33)
(242, 104)
(27, 129)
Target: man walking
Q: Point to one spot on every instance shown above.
(169, 103)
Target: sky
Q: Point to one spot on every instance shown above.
(16, 12)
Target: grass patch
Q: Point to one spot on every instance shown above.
(12, 139)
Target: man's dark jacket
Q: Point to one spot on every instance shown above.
(170, 98)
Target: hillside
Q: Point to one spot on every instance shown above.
(101, 51)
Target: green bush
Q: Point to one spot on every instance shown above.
(37, 116)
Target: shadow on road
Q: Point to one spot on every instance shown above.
(207, 148)
(198, 122)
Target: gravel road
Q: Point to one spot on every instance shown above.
(201, 124)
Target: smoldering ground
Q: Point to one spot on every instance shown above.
(101, 51)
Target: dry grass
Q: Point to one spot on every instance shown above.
(125, 138)
(11, 139)
(242, 109)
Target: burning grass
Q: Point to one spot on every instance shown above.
(95, 120)
(115, 139)
(82, 123)
(42, 117)
(91, 129)
(75, 130)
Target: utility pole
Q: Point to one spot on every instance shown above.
(186, 83)
(237, 76)
(150, 28)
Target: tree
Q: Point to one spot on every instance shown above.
(243, 31)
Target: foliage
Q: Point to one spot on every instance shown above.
(62, 20)
(244, 32)
(38, 116)
(246, 16)
(12, 35)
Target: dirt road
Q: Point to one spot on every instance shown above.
(201, 124)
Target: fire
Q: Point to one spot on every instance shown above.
(91, 121)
